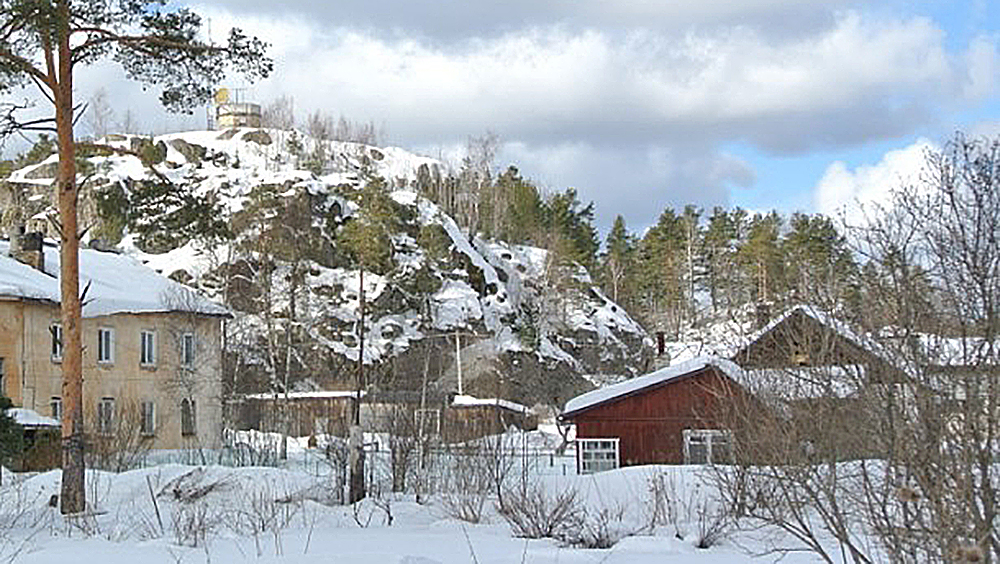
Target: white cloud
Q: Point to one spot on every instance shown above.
(856, 80)
(845, 192)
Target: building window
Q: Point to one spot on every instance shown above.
(3, 381)
(707, 446)
(105, 415)
(188, 417)
(147, 422)
(105, 345)
(187, 349)
(55, 406)
(56, 332)
(597, 455)
(147, 354)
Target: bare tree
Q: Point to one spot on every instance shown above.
(99, 114)
(279, 114)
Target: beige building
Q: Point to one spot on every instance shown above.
(152, 347)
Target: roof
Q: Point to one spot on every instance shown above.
(628, 387)
(114, 284)
(864, 342)
(469, 401)
(30, 418)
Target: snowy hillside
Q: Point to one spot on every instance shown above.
(198, 206)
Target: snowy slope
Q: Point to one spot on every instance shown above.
(485, 289)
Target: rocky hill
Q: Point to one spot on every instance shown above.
(276, 224)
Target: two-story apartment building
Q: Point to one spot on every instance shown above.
(152, 360)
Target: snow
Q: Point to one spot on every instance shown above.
(469, 401)
(319, 394)
(602, 395)
(176, 513)
(30, 418)
(113, 284)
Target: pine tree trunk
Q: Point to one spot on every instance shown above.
(356, 454)
(72, 499)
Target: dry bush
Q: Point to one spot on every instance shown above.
(468, 485)
(122, 447)
(533, 512)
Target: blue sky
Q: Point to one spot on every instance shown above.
(639, 105)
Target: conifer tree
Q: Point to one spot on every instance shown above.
(44, 42)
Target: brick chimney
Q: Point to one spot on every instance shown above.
(27, 248)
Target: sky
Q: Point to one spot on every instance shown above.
(794, 105)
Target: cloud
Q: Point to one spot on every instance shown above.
(448, 20)
(854, 81)
(845, 192)
(614, 98)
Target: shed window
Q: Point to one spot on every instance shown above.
(597, 455)
(707, 446)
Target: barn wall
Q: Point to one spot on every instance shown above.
(649, 424)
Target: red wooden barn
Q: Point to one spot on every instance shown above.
(677, 415)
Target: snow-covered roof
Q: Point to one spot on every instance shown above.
(863, 341)
(602, 395)
(469, 401)
(30, 418)
(114, 284)
(319, 394)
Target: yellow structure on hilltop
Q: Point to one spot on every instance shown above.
(230, 112)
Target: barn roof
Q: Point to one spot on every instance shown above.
(628, 387)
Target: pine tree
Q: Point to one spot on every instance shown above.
(618, 262)
(43, 42)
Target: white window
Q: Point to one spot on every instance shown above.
(707, 446)
(105, 345)
(188, 426)
(147, 422)
(56, 332)
(147, 355)
(55, 405)
(105, 415)
(597, 455)
(187, 349)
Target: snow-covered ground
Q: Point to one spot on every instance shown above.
(179, 513)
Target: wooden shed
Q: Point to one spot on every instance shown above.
(681, 414)
(468, 418)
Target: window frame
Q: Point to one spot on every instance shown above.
(56, 340)
(188, 349)
(106, 415)
(189, 417)
(150, 418)
(594, 464)
(711, 438)
(147, 358)
(55, 407)
(109, 344)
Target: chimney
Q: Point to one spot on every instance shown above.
(28, 248)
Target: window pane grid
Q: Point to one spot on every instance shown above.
(597, 455)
